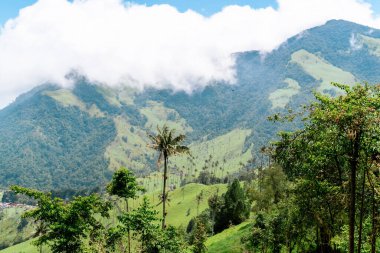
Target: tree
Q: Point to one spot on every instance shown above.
(143, 223)
(167, 144)
(199, 198)
(214, 203)
(125, 186)
(340, 142)
(199, 237)
(235, 207)
(65, 227)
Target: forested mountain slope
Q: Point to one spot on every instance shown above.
(73, 138)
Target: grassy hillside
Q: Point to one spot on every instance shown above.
(13, 229)
(221, 155)
(24, 247)
(281, 97)
(322, 70)
(228, 241)
(373, 44)
(181, 208)
(63, 136)
(182, 205)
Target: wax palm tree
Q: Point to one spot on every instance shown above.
(167, 144)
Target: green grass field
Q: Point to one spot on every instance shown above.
(158, 115)
(322, 70)
(25, 247)
(227, 151)
(373, 44)
(129, 148)
(11, 231)
(281, 97)
(229, 240)
(67, 98)
(182, 205)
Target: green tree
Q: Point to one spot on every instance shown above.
(199, 237)
(125, 186)
(235, 208)
(65, 227)
(143, 223)
(199, 198)
(339, 142)
(167, 144)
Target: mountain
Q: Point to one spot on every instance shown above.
(54, 138)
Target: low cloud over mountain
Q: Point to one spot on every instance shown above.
(116, 44)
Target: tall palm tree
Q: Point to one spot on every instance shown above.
(167, 144)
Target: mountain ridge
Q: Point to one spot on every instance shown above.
(57, 138)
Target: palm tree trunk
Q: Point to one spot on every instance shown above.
(361, 215)
(164, 190)
(129, 232)
(374, 228)
(354, 164)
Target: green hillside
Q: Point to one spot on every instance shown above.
(321, 70)
(182, 205)
(228, 241)
(25, 247)
(75, 138)
(181, 209)
(13, 229)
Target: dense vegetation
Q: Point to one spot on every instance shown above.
(318, 192)
(50, 141)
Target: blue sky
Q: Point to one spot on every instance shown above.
(10, 8)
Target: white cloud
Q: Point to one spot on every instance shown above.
(157, 46)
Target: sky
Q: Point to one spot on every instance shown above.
(181, 45)
(10, 8)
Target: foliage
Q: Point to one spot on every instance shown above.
(234, 207)
(124, 184)
(64, 226)
(199, 238)
(143, 224)
(40, 137)
(167, 144)
(335, 153)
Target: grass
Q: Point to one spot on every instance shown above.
(227, 151)
(153, 181)
(322, 70)
(129, 147)
(10, 231)
(229, 240)
(25, 247)
(182, 205)
(67, 98)
(373, 45)
(281, 97)
(158, 115)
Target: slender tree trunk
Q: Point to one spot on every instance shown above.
(354, 164)
(164, 190)
(129, 232)
(361, 215)
(374, 228)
